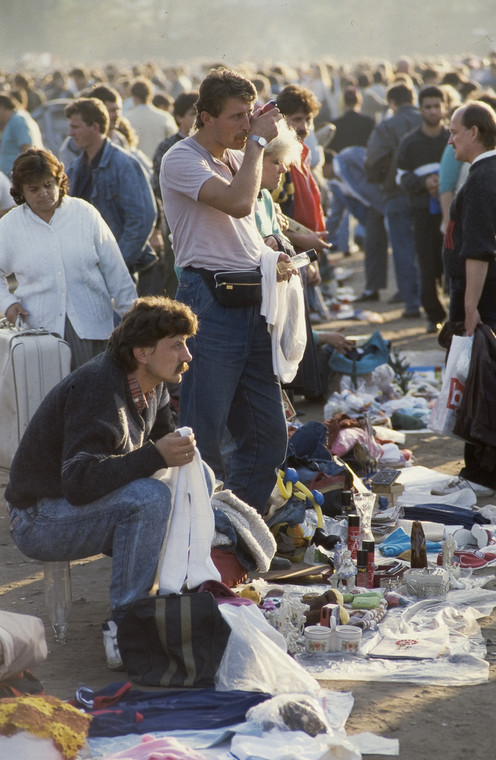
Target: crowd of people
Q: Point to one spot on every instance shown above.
(174, 184)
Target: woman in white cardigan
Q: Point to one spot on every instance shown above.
(69, 270)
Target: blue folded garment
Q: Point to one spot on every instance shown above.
(447, 514)
(398, 541)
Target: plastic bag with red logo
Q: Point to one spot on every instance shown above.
(446, 408)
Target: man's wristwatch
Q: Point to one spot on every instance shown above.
(259, 140)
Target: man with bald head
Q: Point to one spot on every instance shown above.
(470, 241)
(470, 247)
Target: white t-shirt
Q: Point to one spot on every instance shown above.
(203, 236)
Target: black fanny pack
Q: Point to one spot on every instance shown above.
(231, 289)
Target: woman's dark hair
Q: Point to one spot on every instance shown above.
(149, 319)
(34, 165)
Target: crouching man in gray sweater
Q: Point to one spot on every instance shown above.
(81, 480)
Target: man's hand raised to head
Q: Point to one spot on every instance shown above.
(265, 124)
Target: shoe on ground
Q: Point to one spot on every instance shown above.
(411, 314)
(458, 484)
(396, 298)
(114, 660)
(368, 295)
(280, 563)
(482, 536)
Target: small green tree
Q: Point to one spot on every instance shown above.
(400, 367)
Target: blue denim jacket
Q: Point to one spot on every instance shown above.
(123, 195)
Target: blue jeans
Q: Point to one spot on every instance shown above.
(128, 523)
(231, 385)
(399, 223)
(337, 222)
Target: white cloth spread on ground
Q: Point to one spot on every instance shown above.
(188, 540)
(284, 310)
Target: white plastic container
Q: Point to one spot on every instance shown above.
(348, 638)
(317, 639)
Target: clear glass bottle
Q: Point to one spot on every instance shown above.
(58, 597)
(298, 261)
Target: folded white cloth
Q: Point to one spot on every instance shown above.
(188, 540)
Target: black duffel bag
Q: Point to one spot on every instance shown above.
(174, 640)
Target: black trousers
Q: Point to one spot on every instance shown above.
(429, 246)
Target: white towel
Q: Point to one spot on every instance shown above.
(188, 541)
(249, 526)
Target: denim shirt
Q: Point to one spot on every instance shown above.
(123, 195)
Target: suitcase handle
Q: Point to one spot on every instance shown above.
(18, 328)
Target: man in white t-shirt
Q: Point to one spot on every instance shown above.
(209, 188)
(152, 125)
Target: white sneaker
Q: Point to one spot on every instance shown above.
(479, 489)
(458, 484)
(114, 660)
(483, 536)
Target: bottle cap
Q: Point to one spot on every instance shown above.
(354, 521)
(368, 546)
(312, 254)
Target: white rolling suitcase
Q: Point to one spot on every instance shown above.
(32, 361)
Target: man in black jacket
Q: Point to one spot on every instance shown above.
(353, 127)
(470, 252)
(380, 164)
(419, 156)
(81, 480)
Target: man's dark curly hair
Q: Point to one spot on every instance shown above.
(295, 98)
(149, 319)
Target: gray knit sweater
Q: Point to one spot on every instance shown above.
(87, 439)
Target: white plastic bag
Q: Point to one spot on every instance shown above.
(289, 333)
(443, 416)
(255, 657)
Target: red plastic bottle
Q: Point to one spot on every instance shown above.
(353, 535)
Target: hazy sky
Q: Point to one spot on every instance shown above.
(232, 30)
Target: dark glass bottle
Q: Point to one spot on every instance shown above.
(369, 547)
(363, 568)
(347, 506)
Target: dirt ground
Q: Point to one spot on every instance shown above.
(429, 721)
